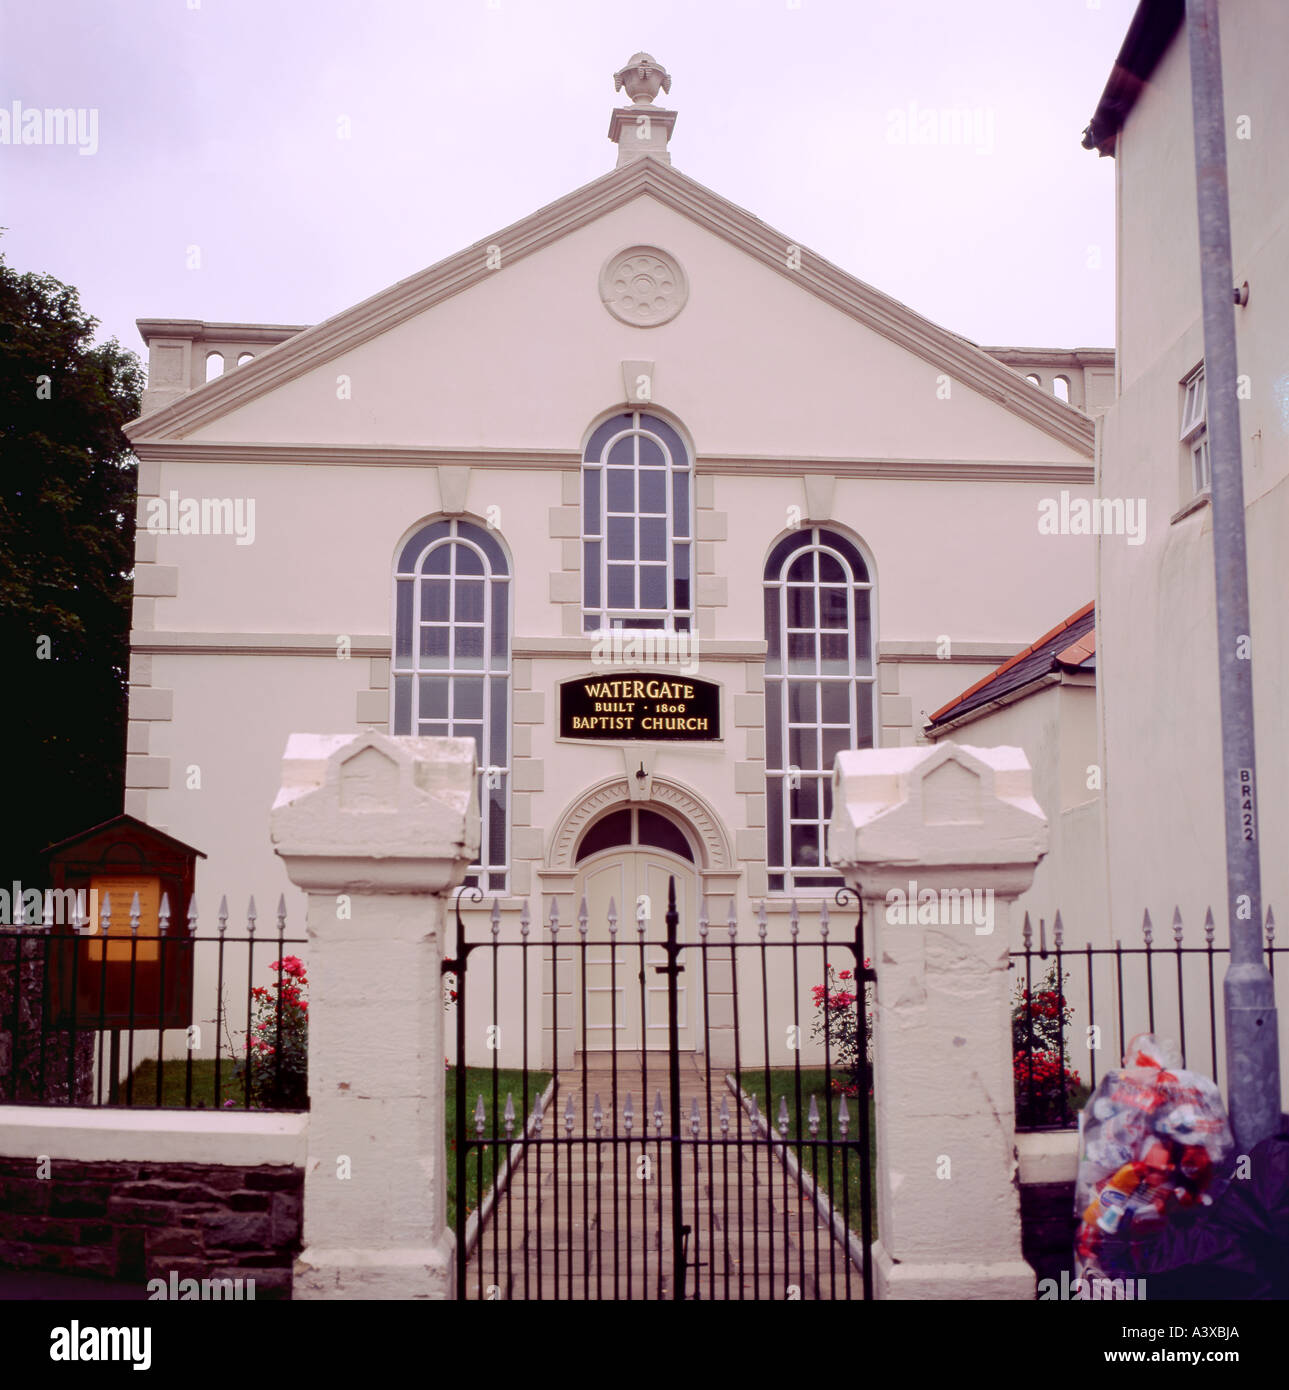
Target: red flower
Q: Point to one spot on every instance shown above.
(1043, 1067)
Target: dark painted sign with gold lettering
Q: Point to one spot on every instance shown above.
(642, 706)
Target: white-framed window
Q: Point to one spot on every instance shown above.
(637, 526)
(820, 693)
(451, 664)
(1194, 430)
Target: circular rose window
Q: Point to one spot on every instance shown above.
(643, 286)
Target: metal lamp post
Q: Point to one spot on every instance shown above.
(1252, 1044)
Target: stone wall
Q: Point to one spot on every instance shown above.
(36, 1068)
(133, 1222)
(1048, 1224)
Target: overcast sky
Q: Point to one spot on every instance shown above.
(220, 126)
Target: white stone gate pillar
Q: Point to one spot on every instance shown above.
(958, 831)
(377, 830)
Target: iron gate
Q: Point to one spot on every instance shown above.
(737, 1172)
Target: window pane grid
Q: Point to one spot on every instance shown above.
(454, 594)
(1194, 430)
(820, 688)
(636, 501)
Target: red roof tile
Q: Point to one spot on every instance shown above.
(1041, 655)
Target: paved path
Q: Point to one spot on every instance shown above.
(554, 1234)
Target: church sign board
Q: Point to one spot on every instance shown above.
(642, 706)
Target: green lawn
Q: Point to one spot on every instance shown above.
(815, 1162)
(174, 1084)
(479, 1083)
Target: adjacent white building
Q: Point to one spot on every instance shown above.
(1044, 700)
(1156, 618)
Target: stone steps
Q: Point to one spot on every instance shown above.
(731, 1244)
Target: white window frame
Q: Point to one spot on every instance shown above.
(1201, 467)
(1194, 430)
(787, 876)
(491, 872)
(596, 562)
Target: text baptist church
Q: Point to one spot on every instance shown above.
(637, 410)
(638, 707)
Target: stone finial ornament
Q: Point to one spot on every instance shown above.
(642, 77)
(642, 129)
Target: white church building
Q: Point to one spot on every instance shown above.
(658, 506)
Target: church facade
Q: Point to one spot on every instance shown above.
(658, 507)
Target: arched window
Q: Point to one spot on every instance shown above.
(637, 508)
(634, 827)
(820, 693)
(1061, 387)
(451, 667)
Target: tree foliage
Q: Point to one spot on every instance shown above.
(67, 503)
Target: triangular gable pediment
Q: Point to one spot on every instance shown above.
(946, 352)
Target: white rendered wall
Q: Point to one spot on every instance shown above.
(1158, 659)
(751, 364)
(1055, 725)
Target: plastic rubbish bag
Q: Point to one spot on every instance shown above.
(1236, 1249)
(1153, 1140)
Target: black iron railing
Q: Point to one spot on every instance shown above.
(1076, 1007)
(152, 1014)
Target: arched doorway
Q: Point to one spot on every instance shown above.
(624, 861)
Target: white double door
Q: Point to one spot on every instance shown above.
(635, 880)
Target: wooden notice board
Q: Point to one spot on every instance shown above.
(119, 893)
(115, 978)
